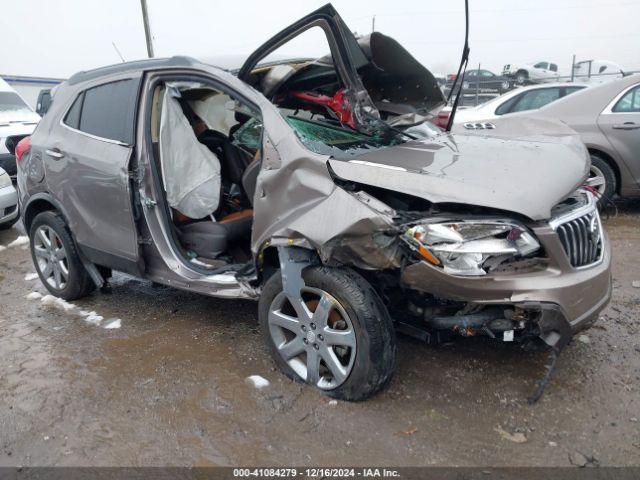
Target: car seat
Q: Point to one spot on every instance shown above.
(211, 239)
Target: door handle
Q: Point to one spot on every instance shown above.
(55, 153)
(626, 126)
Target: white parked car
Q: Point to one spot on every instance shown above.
(532, 72)
(17, 120)
(519, 100)
(596, 71)
(8, 201)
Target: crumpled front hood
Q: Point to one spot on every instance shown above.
(524, 166)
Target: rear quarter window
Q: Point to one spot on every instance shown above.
(630, 102)
(72, 118)
(506, 106)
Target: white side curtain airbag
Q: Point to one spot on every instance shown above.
(190, 171)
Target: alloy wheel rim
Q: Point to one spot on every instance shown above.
(314, 335)
(51, 257)
(597, 180)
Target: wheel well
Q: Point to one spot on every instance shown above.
(34, 208)
(610, 161)
(269, 262)
(523, 71)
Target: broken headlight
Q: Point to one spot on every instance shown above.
(471, 247)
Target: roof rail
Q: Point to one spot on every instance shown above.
(147, 64)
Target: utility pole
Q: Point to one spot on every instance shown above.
(373, 24)
(573, 65)
(147, 30)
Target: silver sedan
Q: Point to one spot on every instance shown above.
(607, 117)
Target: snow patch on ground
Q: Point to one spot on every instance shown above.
(21, 240)
(30, 276)
(257, 381)
(52, 301)
(113, 324)
(91, 317)
(2, 247)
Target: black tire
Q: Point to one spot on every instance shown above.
(611, 182)
(79, 283)
(521, 77)
(375, 336)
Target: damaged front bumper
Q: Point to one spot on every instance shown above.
(561, 299)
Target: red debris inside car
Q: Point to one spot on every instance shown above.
(338, 104)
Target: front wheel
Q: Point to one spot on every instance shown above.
(336, 335)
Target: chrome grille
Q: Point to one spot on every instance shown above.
(581, 238)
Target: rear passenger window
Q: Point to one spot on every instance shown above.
(106, 111)
(570, 90)
(535, 99)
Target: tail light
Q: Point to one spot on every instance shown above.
(452, 76)
(442, 119)
(22, 148)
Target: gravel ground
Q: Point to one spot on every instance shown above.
(168, 387)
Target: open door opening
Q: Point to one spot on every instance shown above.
(207, 153)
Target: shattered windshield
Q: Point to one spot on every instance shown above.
(340, 142)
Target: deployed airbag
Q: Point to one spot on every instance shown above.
(190, 171)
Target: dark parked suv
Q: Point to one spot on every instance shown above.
(318, 187)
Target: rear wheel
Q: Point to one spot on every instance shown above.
(522, 76)
(602, 179)
(56, 258)
(336, 336)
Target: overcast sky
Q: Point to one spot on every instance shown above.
(47, 38)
